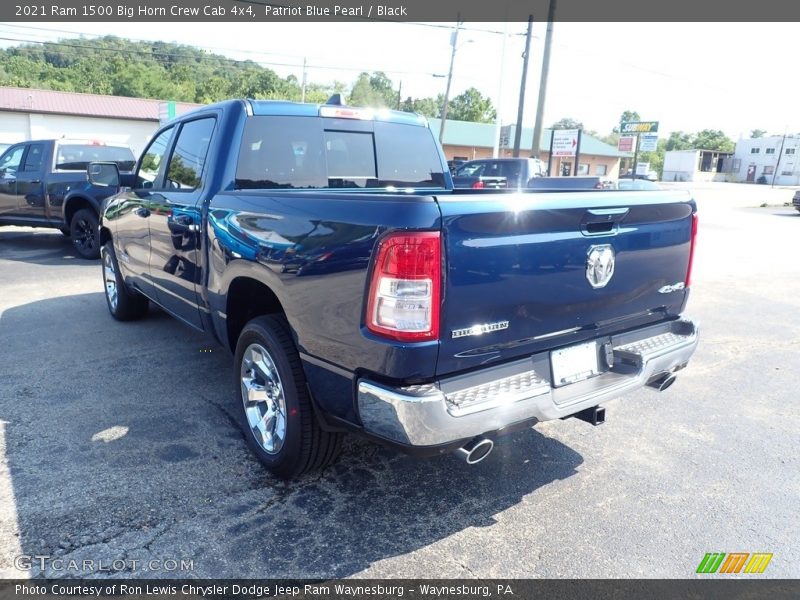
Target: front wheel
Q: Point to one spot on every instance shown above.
(85, 233)
(123, 304)
(274, 407)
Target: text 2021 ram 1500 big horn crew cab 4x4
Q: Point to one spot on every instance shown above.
(358, 291)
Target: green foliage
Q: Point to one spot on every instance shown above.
(471, 105)
(428, 107)
(373, 90)
(625, 117)
(111, 65)
(120, 67)
(567, 123)
(678, 140)
(758, 133)
(713, 139)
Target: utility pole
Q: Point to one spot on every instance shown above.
(399, 94)
(453, 42)
(548, 40)
(525, 56)
(498, 118)
(780, 153)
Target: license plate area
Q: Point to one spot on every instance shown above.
(573, 364)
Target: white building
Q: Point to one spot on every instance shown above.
(29, 114)
(774, 156)
(695, 165)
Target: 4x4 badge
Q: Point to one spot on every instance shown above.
(600, 265)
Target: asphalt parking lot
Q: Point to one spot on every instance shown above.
(117, 443)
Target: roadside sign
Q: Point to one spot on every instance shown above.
(648, 142)
(166, 112)
(638, 127)
(626, 143)
(565, 142)
(505, 136)
(642, 168)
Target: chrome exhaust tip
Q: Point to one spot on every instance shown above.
(475, 450)
(663, 381)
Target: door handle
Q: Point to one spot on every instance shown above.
(181, 223)
(142, 212)
(36, 181)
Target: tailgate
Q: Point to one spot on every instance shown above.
(530, 271)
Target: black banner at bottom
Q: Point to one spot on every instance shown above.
(374, 589)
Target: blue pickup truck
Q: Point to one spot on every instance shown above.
(357, 291)
(43, 183)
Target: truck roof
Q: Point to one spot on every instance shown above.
(285, 108)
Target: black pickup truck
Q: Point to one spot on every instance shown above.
(43, 183)
(498, 173)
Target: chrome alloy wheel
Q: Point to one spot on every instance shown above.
(110, 277)
(263, 399)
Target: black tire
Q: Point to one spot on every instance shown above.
(305, 446)
(85, 233)
(128, 305)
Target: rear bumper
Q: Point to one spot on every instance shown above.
(465, 406)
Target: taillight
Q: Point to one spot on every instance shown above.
(405, 289)
(691, 251)
(478, 185)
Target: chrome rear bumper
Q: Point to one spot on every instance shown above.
(491, 399)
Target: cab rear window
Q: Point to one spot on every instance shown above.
(76, 157)
(323, 153)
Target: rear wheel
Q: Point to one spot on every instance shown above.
(123, 304)
(85, 233)
(274, 408)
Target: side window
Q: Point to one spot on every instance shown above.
(152, 159)
(33, 160)
(9, 164)
(189, 157)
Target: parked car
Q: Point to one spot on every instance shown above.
(636, 184)
(43, 183)
(455, 164)
(651, 176)
(796, 200)
(498, 173)
(581, 182)
(424, 317)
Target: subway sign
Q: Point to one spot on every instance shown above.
(639, 127)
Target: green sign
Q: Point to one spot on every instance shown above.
(638, 127)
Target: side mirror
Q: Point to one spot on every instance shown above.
(105, 174)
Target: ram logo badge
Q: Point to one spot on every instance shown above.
(600, 265)
(480, 329)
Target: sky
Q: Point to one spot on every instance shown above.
(688, 76)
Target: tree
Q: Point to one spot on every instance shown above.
(758, 133)
(373, 90)
(473, 106)
(428, 107)
(713, 139)
(567, 123)
(678, 140)
(626, 116)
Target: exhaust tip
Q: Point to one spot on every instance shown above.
(476, 450)
(663, 381)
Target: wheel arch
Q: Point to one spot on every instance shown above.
(247, 298)
(74, 203)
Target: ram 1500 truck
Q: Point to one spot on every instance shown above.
(43, 184)
(326, 248)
